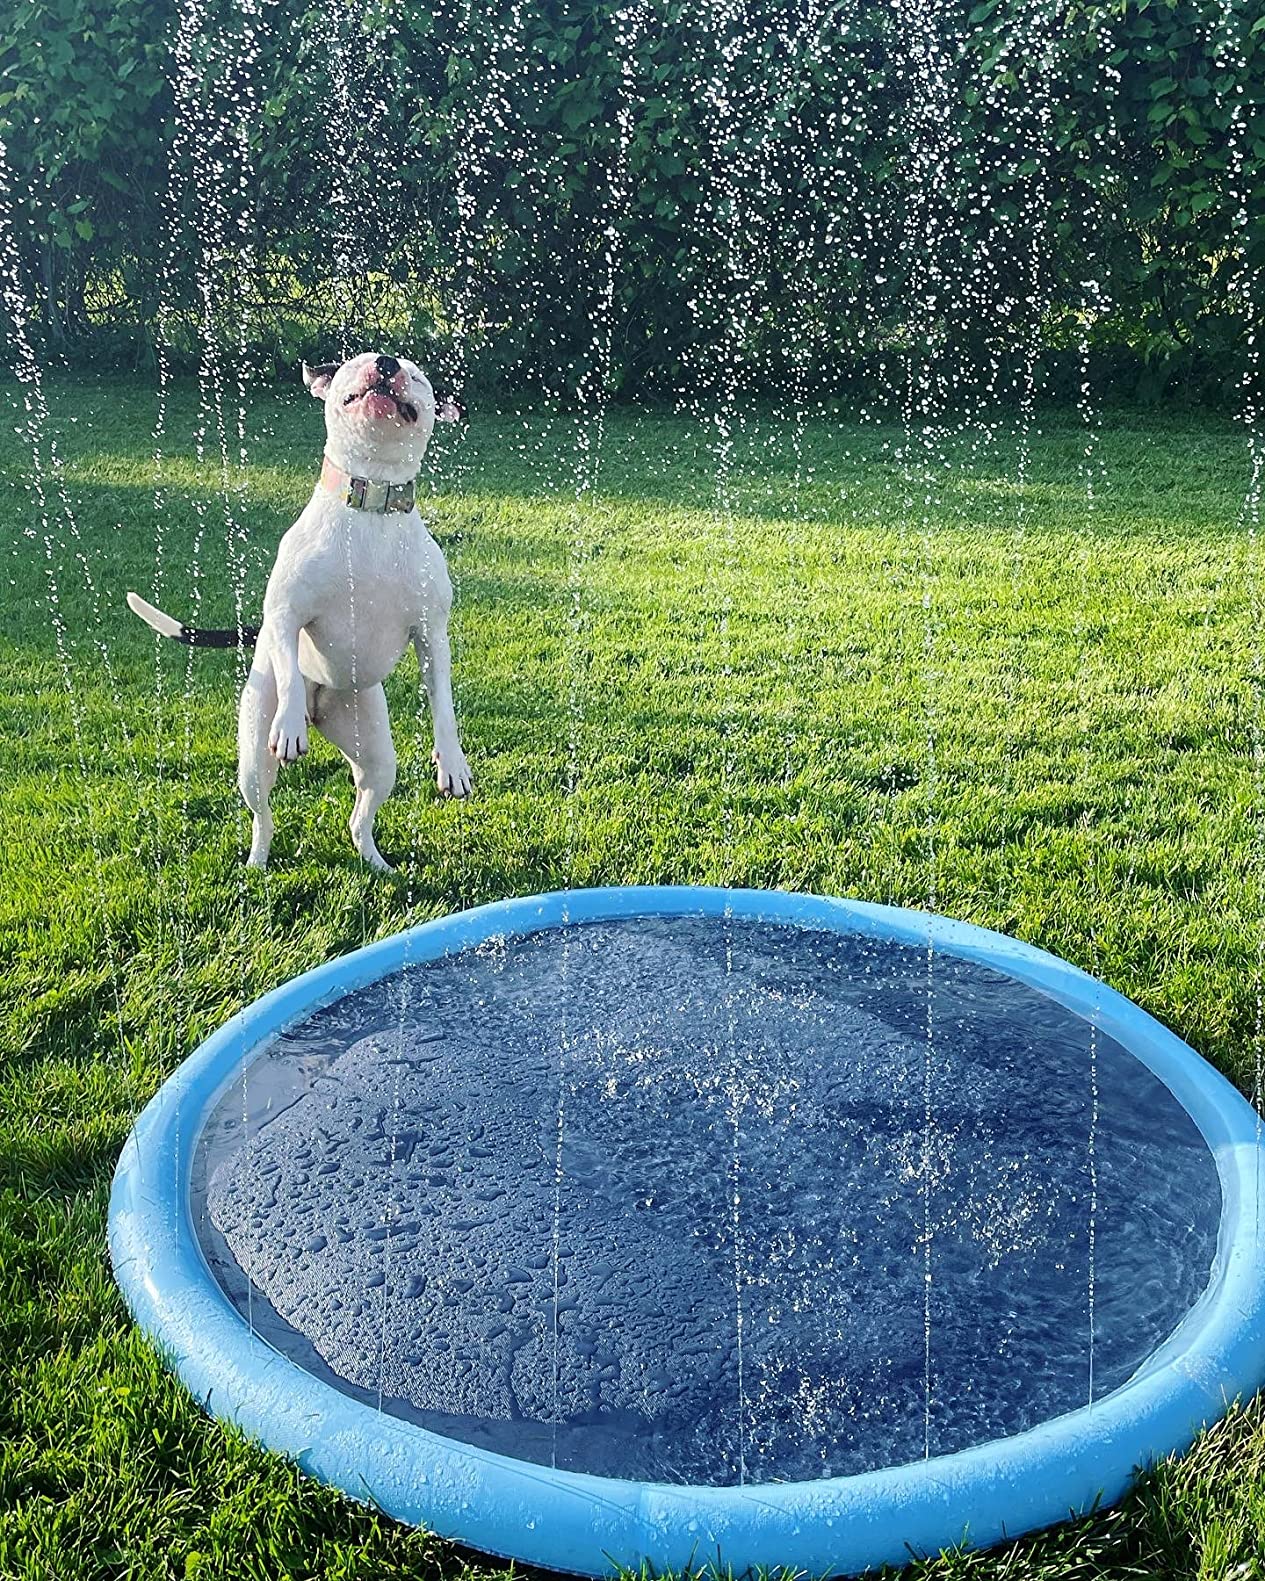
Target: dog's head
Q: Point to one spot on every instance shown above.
(379, 413)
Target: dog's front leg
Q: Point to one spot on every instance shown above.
(434, 659)
(287, 740)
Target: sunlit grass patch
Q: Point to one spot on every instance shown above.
(959, 687)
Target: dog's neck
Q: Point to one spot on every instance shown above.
(366, 494)
(364, 461)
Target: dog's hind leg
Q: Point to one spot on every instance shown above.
(256, 766)
(357, 724)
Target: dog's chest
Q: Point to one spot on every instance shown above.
(381, 584)
(386, 570)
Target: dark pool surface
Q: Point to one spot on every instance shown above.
(707, 1200)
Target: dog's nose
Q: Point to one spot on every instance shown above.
(388, 367)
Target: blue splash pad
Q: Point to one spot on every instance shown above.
(641, 1224)
(708, 1200)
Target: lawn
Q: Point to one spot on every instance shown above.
(1010, 681)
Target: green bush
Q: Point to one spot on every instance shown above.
(941, 199)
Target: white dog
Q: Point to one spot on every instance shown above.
(357, 578)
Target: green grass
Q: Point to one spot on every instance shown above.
(958, 685)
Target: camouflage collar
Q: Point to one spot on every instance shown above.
(362, 494)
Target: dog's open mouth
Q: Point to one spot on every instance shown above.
(404, 409)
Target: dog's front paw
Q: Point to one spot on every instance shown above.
(287, 739)
(452, 772)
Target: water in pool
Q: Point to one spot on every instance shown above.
(707, 1200)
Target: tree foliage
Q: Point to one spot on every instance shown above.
(650, 196)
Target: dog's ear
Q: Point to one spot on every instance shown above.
(316, 380)
(448, 409)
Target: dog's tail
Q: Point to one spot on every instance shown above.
(196, 637)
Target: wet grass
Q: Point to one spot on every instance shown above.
(964, 685)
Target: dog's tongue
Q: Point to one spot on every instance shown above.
(379, 405)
